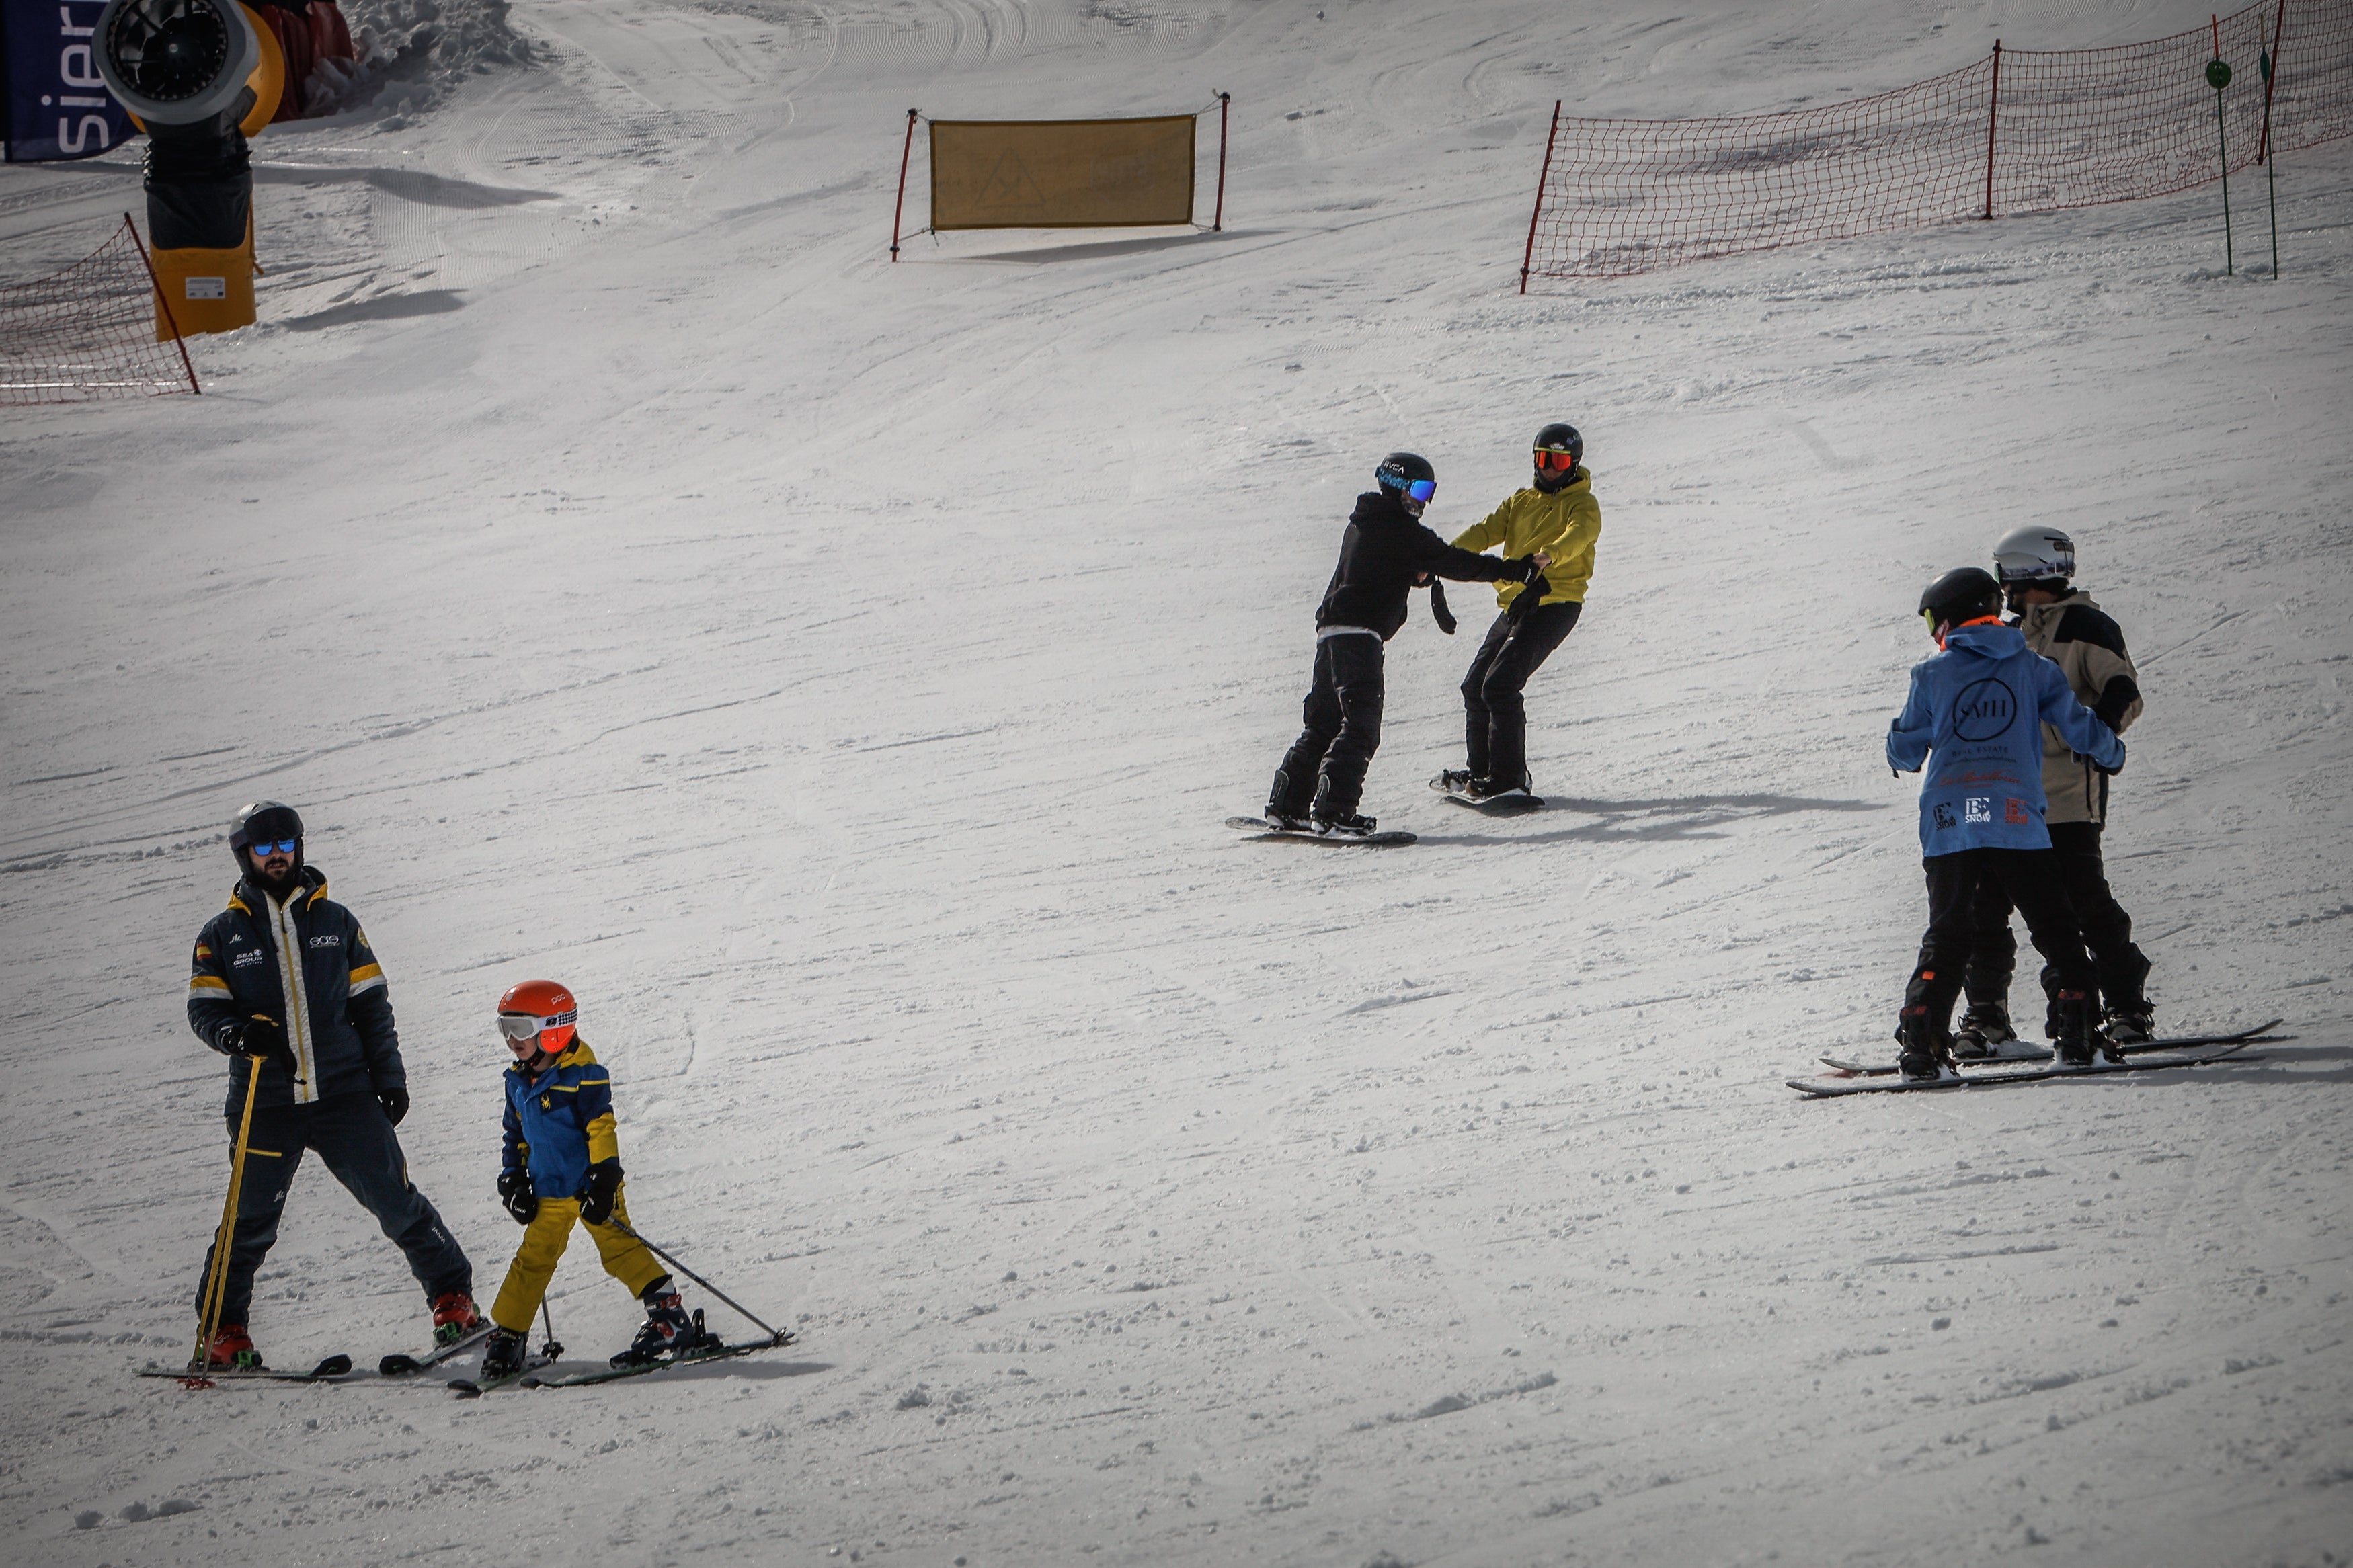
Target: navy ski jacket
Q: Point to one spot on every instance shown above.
(1979, 706)
(306, 964)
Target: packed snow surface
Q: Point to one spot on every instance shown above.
(838, 673)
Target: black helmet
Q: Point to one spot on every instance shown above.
(264, 822)
(1410, 474)
(1561, 439)
(1964, 593)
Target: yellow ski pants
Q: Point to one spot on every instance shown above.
(544, 1241)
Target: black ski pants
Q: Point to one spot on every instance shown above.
(1494, 718)
(355, 1139)
(1325, 767)
(2122, 967)
(2030, 879)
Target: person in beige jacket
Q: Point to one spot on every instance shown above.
(1556, 517)
(2063, 624)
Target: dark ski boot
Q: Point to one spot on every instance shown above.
(1927, 1050)
(666, 1332)
(1282, 812)
(2131, 1023)
(1498, 789)
(502, 1354)
(1984, 1029)
(1346, 824)
(1283, 821)
(1452, 781)
(2071, 1012)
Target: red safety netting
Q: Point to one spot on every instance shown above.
(2018, 131)
(88, 331)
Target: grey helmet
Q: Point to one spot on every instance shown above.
(264, 821)
(2038, 556)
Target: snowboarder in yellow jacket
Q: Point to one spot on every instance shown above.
(1556, 517)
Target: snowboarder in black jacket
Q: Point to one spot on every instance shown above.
(1386, 553)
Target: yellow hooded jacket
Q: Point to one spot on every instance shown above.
(1565, 525)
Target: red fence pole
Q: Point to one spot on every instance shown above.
(2263, 149)
(1527, 257)
(900, 205)
(169, 319)
(1225, 103)
(1993, 111)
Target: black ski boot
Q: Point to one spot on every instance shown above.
(1499, 789)
(1346, 824)
(502, 1354)
(1927, 1050)
(2071, 1012)
(666, 1331)
(1281, 813)
(1452, 781)
(2130, 1023)
(1984, 1029)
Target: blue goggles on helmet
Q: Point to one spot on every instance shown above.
(1416, 490)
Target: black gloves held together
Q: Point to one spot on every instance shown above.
(602, 1191)
(255, 1037)
(1523, 569)
(521, 1198)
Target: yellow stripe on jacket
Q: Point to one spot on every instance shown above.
(1565, 525)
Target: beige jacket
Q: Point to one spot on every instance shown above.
(2089, 649)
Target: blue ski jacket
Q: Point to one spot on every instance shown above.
(560, 1122)
(1980, 705)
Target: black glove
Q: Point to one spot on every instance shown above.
(520, 1196)
(601, 1191)
(1521, 569)
(256, 1037)
(395, 1102)
(2105, 773)
(1438, 607)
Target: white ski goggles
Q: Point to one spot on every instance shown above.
(523, 1028)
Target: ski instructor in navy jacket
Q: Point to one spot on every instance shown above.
(283, 983)
(1978, 705)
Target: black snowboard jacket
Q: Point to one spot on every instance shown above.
(1382, 552)
(340, 1024)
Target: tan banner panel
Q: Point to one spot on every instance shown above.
(1062, 173)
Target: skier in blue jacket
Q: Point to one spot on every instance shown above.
(1978, 705)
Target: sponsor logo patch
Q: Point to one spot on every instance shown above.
(326, 941)
(1978, 808)
(1984, 711)
(2014, 810)
(250, 956)
(1943, 815)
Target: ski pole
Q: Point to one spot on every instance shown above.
(216, 1278)
(777, 1335)
(552, 1350)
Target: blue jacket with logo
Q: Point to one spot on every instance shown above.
(560, 1122)
(1980, 705)
(306, 964)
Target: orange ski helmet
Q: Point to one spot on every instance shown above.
(538, 1015)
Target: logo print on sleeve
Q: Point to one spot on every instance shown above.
(1985, 710)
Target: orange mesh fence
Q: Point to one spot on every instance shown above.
(88, 331)
(2018, 131)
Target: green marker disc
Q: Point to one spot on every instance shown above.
(2218, 74)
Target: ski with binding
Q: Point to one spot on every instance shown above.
(2043, 1053)
(333, 1369)
(400, 1365)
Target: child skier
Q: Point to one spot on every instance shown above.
(2061, 622)
(561, 1162)
(1979, 704)
(1557, 516)
(1385, 552)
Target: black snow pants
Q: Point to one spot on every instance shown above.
(2031, 881)
(2122, 967)
(355, 1141)
(1494, 718)
(1324, 769)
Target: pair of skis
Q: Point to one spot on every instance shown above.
(706, 1348)
(1850, 1076)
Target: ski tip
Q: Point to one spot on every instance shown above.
(398, 1365)
(333, 1366)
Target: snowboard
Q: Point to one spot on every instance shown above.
(328, 1370)
(2023, 1051)
(1265, 829)
(1509, 805)
(1832, 1088)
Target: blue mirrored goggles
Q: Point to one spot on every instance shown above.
(1418, 490)
(281, 846)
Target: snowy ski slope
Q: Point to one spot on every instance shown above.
(838, 672)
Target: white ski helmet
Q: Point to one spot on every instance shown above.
(2034, 555)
